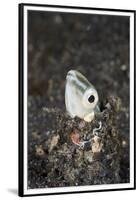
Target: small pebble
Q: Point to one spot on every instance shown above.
(39, 150)
(35, 135)
(82, 124)
(96, 145)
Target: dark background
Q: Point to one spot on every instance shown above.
(96, 45)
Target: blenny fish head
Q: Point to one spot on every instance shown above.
(81, 97)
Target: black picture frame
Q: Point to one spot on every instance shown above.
(21, 149)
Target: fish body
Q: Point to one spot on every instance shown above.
(81, 97)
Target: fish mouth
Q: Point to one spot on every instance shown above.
(71, 74)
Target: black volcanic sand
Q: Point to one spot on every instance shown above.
(97, 46)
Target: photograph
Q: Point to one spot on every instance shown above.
(76, 99)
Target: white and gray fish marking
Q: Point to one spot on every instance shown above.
(81, 97)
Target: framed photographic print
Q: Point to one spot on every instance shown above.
(76, 99)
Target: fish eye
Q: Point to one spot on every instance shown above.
(91, 99)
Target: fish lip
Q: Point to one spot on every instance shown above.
(71, 74)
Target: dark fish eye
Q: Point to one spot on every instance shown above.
(91, 99)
